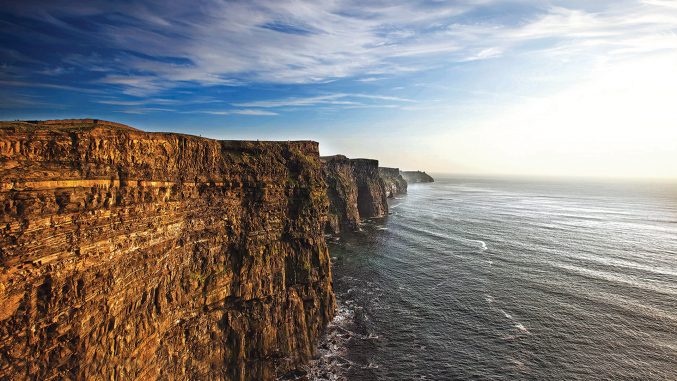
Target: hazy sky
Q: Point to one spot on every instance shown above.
(584, 88)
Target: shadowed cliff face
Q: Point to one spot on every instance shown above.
(342, 194)
(393, 181)
(355, 191)
(133, 255)
(371, 194)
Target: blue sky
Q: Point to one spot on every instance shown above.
(486, 86)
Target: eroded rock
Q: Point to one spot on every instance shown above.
(355, 190)
(133, 255)
(394, 182)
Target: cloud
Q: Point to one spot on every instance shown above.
(241, 112)
(145, 110)
(136, 102)
(29, 84)
(147, 48)
(329, 99)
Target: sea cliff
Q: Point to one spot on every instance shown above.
(393, 181)
(133, 255)
(355, 190)
(417, 177)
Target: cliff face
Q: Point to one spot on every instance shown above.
(393, 181)
(133, 255)
(342, 194)
(371, 194)
(417, 177)
(355, 191)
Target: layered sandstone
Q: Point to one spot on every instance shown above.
(355, 190)
(394, 182)
(139, 256)
(339, 175)
(371, 194)
(417, 177)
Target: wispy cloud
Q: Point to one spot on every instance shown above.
(136, 102)
(240, 112)
(29, 84)
(341, 99)
(145, 110)
(147, 48)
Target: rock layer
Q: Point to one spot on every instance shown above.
(355, 190)
(394, 182)
(140, 256)
(339, 175)
(371, 195)
(417, 177)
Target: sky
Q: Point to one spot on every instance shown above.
(524, 87)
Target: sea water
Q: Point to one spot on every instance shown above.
(509, 279)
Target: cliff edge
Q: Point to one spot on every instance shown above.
(355, 191)
(133, 255)
(417, 177)
(394, 182)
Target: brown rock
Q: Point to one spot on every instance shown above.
(371, 194)
(393, 181)
(134, 255)
(339, 175)
(355, 190)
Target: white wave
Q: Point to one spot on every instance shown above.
(332, 362)
(520, 327)
(483, 245)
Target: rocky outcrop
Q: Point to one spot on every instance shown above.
(355, 190)
(338, 172)
(371, 194)
(393, 181)
(130, 255)
(417, 177)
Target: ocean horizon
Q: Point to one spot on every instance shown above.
(509, 278)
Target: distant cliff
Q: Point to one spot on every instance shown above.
(132, 255)
(394, 182)
(417, 177)
(355, 191)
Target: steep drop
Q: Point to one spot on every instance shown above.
(134, 255)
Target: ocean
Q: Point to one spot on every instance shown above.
(509, 279)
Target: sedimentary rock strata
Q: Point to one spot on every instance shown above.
(355, 190)
(371, 196)
(339, 175)
(139, 256)
(393, 181)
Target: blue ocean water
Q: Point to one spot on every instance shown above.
(509, 279)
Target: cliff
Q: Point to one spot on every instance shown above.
(339, 175)
(393, 181)
(371, 193)
(417, 177)
(137, 256)
(355, 190)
